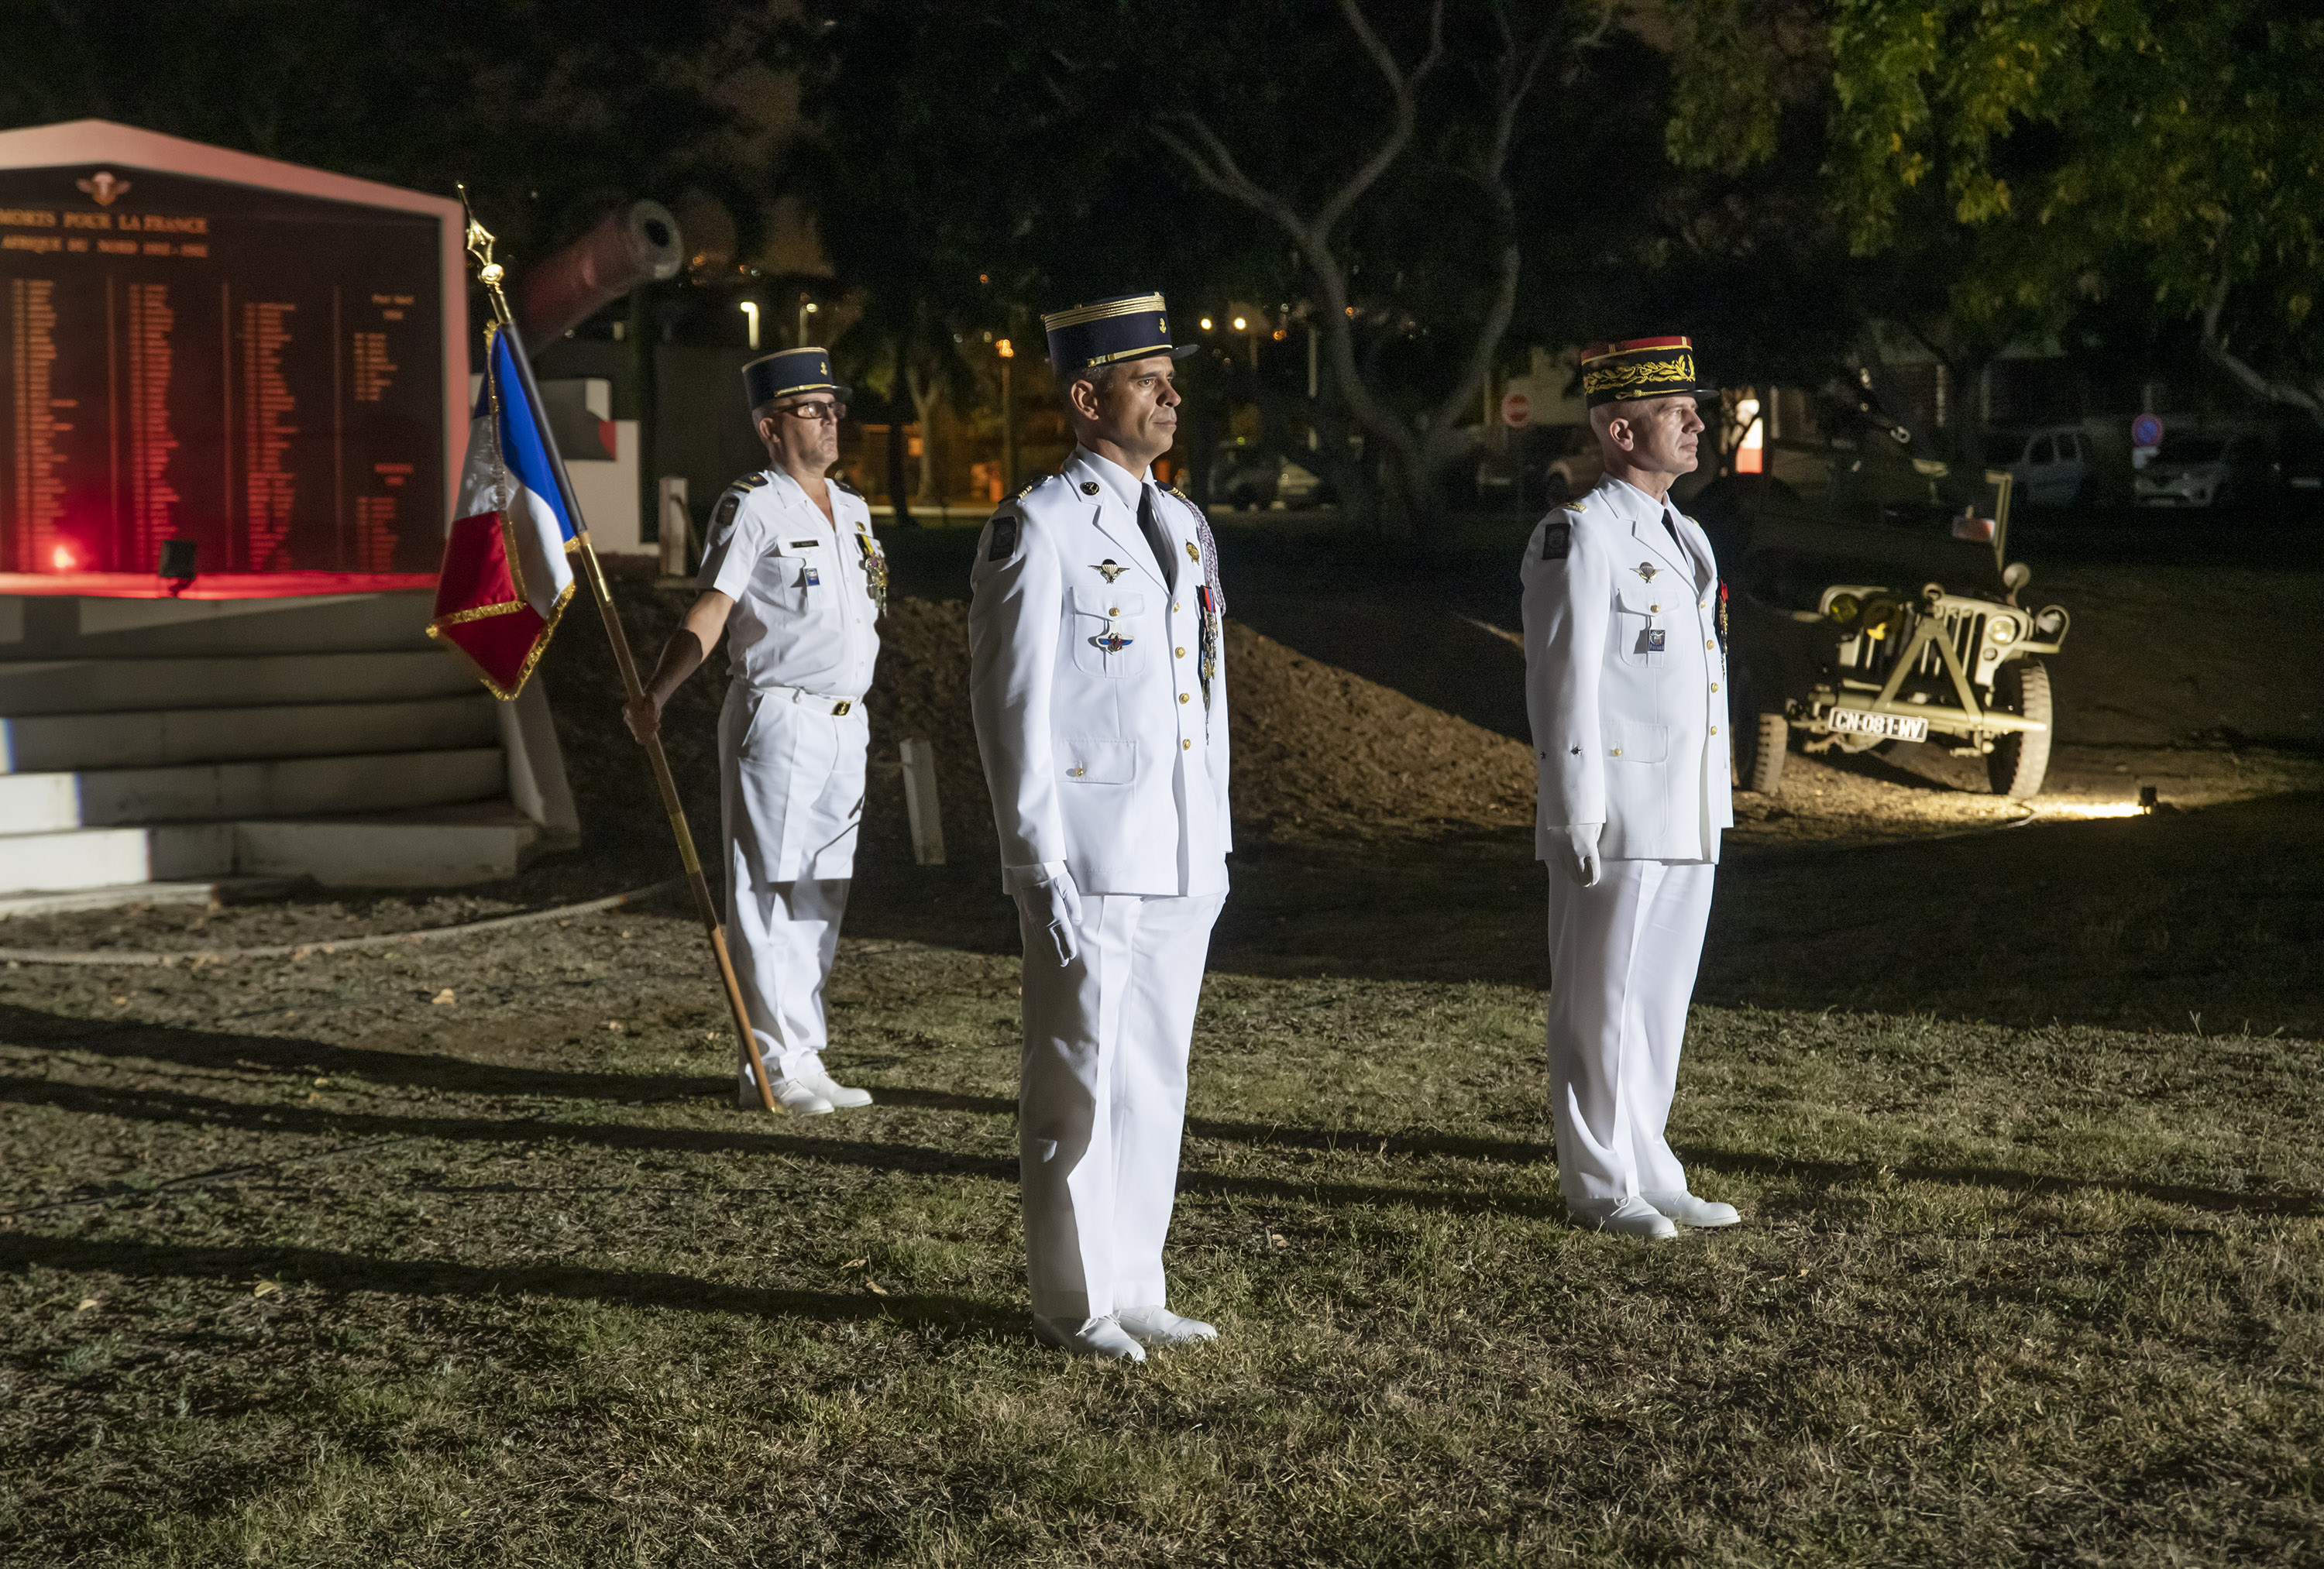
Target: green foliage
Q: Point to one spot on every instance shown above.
(2088, 148)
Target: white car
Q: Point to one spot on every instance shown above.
(2195, 470)
(2051, 464)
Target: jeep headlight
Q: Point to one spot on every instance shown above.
(1843, 609)
(2001, 631)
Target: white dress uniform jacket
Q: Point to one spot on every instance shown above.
(1626, 685)
(801, 641)
(1104, 753)
(1107, 758)
(1626, 689)
(792, 735)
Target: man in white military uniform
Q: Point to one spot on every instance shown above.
(792, 572)
(1625, 687)
(1099, 687)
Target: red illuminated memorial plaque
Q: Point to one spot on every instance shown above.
(197, 345)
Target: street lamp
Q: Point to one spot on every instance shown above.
(1008, 352)
(750, 310)
(808, 307)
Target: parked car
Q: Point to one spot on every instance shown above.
(1243, 475)
(2300, 464)
(1575, 470)
(2194, 469)
(2051, 464)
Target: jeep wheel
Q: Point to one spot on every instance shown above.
(1760, 742)
(2019, 760)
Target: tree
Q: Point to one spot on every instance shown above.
(1523, 40)
(1399, 178)
(2075, 150)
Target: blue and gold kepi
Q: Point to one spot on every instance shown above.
(1636, 368)
(787, 373)
(1110, 332)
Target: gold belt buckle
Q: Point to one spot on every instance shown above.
(840, 707)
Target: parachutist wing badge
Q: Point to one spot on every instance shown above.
(1110, 569)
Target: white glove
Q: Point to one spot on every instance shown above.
(1055, 906)
(1582, 852)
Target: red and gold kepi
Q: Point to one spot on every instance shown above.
(1110, 332)
(1636, 368)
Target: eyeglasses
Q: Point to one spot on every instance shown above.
(821, 408)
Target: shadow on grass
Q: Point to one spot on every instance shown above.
(338, 1271)
(1516, 1151)
(158, 1105)
(214, 1049)
(164, 1043)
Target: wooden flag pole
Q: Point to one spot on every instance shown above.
(480, 243)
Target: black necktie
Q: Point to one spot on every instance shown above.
(1683, 553)
(1150, 525)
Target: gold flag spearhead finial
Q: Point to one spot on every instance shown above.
(489, 272)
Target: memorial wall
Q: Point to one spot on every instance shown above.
(257, 371)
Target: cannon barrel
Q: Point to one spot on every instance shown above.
(634, 244)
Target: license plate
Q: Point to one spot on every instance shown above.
(1895, 727)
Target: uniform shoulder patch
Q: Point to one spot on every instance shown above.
(722, 515)
(1556, 540)
(1005, 527)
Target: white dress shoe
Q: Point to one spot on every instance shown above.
(1098, 1338)
(1625, 1217)
(837, 1094)
(796, 1095)
(1688, 1210)
(1158, 1325)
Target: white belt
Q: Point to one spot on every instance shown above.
(818, 700)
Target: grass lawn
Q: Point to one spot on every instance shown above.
(304, 1267)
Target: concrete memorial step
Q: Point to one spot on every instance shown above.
(83, 686)
(65, 742)
(156, 750)
(279, 787)
(417, 849)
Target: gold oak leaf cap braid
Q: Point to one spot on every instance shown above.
(1636, 368)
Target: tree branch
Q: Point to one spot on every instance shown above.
(1405, 87)
(2214, 349)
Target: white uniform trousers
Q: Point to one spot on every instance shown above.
(1622, 960)
(1101, 1099)
(790, 801)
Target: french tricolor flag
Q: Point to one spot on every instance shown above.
(505, 579)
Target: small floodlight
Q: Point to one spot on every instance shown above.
(1239, 324)
(179, 563)
(1005, 349)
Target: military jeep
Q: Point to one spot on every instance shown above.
(1883, 609)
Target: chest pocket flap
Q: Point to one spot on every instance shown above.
(1098, 762)
(1108, 601)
